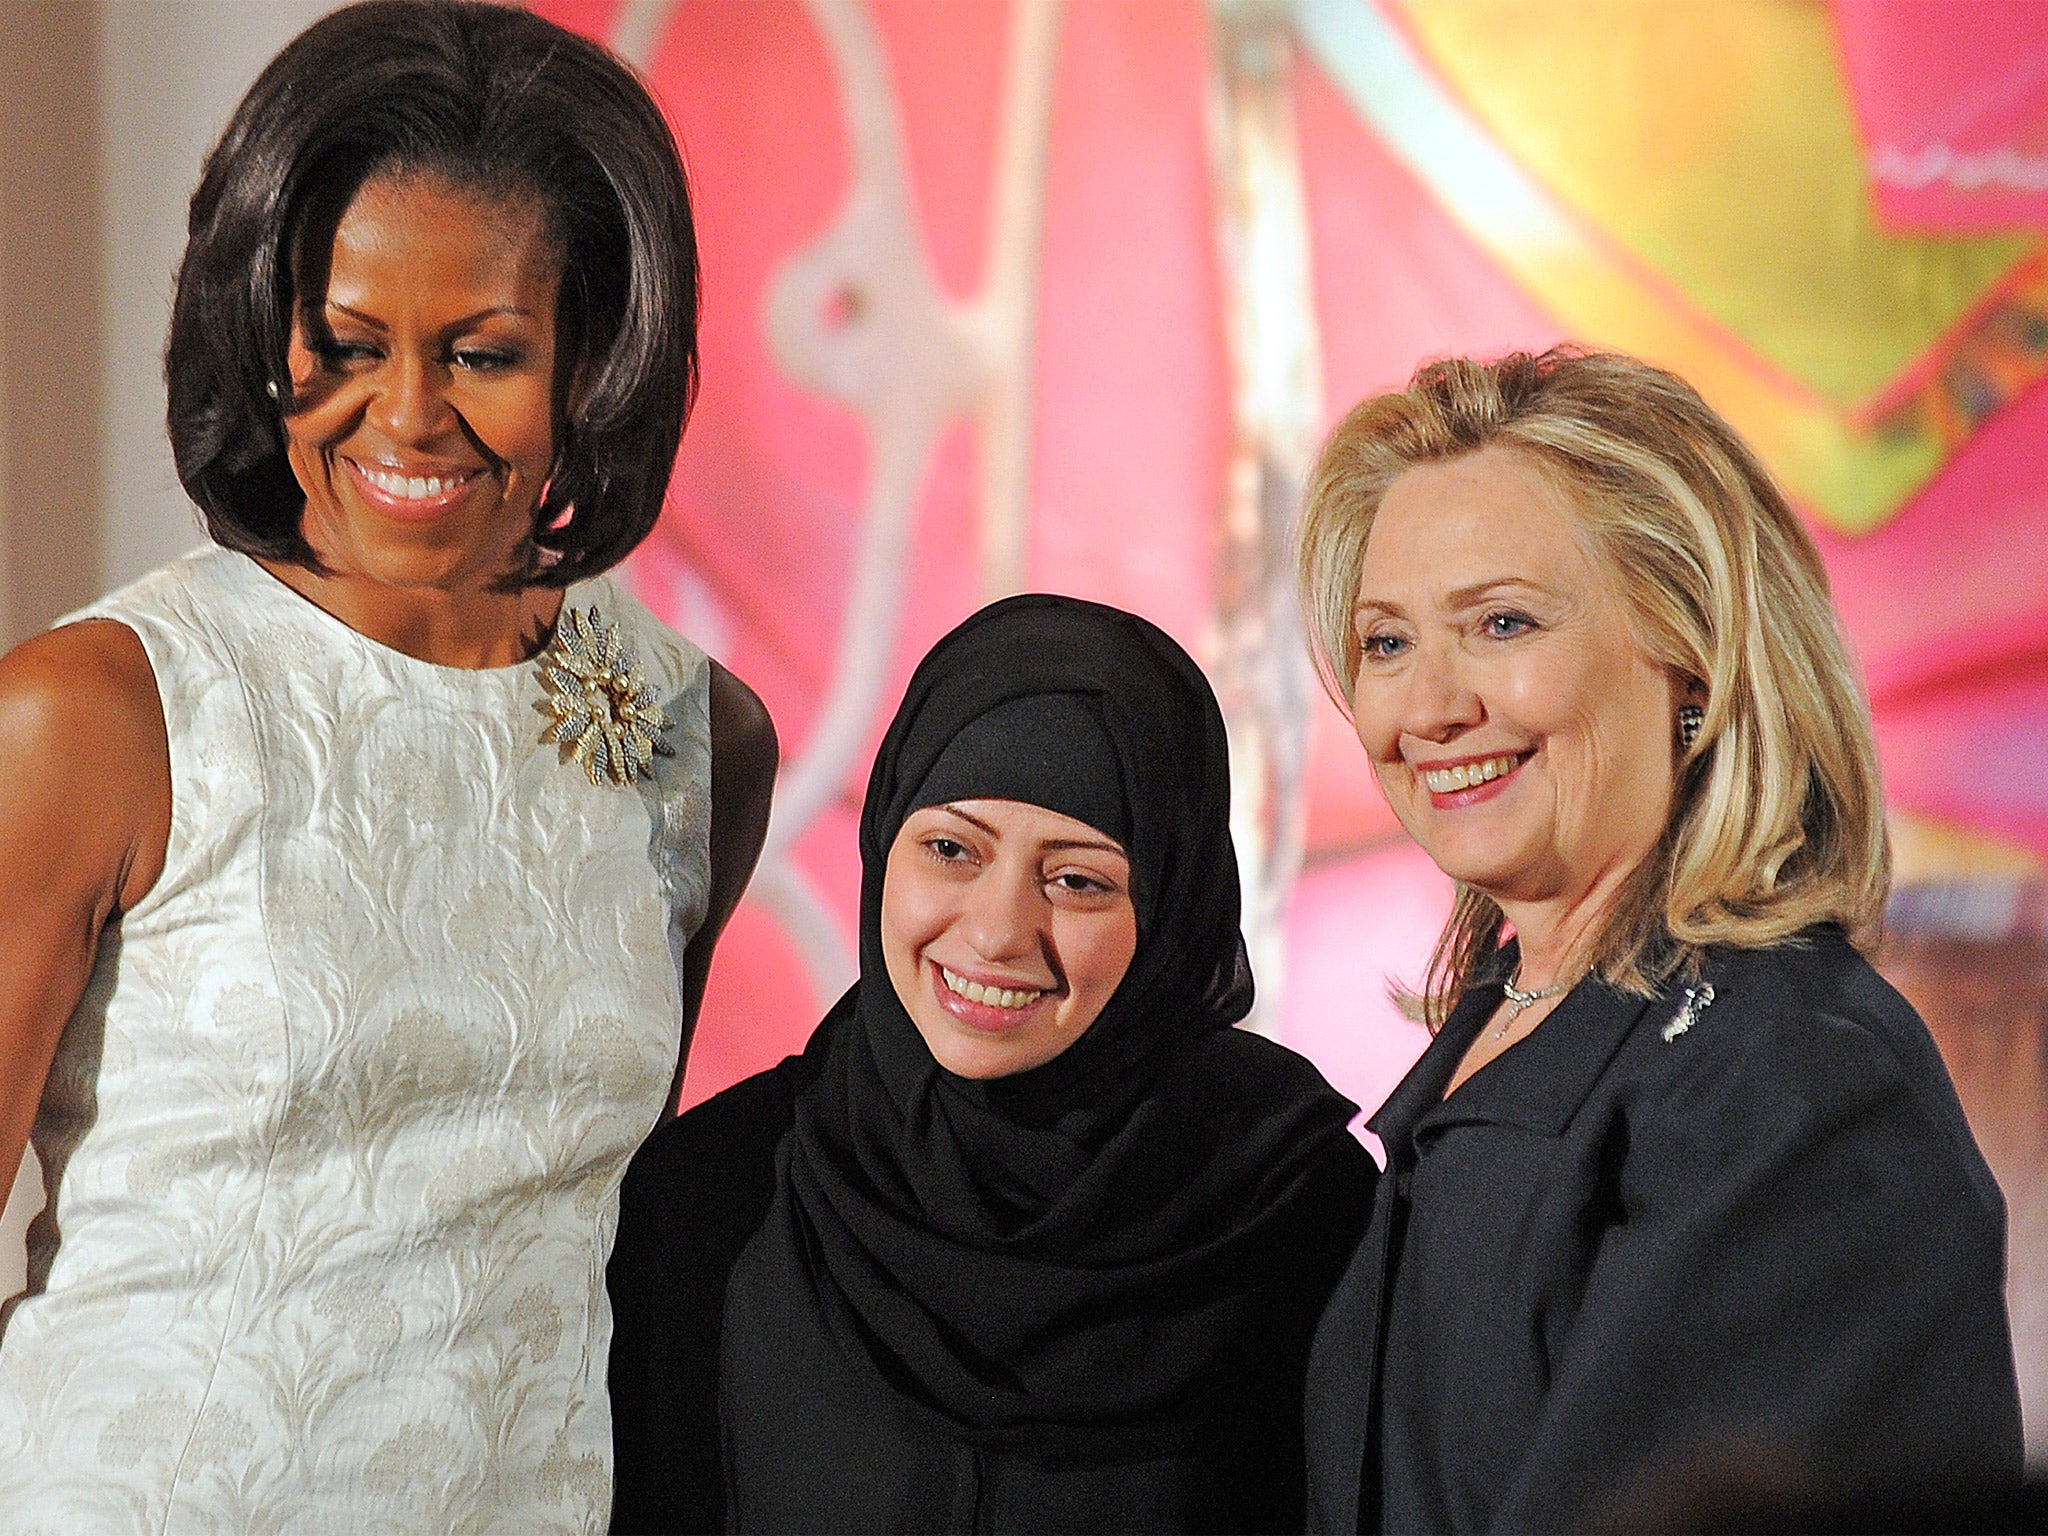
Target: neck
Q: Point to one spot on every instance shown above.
(1555, 932)
(469, 627)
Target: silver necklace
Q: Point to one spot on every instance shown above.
(1518, 1000)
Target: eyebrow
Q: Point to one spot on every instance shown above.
(1458, 597)
(1060, 844)
(459, 325)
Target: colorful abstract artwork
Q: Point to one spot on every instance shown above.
(1059, 296)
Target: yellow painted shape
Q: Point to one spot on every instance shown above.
(1713, 139)
(1925, 851)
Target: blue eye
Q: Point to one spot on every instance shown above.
(1507, 624)
(1382, 647)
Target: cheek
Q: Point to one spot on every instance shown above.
(330, 410)
(1374, 719)
(1098, 953)
(299, 361)
(1619, 750)
(1643, 736)
(894, 925)
(1549, 694)
(517, 426)
(310, 437)
(317, 428)
(899, 958)
(913, 913)
(1571, 693)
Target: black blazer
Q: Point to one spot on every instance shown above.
(1653, 1240)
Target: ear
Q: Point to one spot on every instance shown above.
(1685, 688)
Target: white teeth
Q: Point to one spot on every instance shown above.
(1442, 781)
(411, 487)
(994, 997)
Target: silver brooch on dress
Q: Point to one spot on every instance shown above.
(1697, 1000)
(606, 714)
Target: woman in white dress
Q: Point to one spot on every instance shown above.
(362, 870)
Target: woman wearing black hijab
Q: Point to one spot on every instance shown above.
(1039, 1247)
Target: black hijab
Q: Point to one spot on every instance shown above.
(1064, 1260)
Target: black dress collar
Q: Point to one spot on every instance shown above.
(1536, 1085)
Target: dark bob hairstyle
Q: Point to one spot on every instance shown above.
(495, 101)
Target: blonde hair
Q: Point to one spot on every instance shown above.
(1777, 820)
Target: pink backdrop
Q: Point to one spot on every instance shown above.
(1939, 572)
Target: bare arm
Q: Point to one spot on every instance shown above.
(85, 815)
(743, 759)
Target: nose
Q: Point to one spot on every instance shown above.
(1440, 702)
(1000, 917)
(412, 404)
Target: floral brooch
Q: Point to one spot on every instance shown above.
(605, 714)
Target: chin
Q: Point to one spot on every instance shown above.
(1485, 872)
(973, 1069)
(1458, 858)
(980, 1060)
(428, 564)
(983, 1060)
(434, 553)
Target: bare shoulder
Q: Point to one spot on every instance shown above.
(94, 675)
(83, 750)
(86, 685)
(742, 733)
(743, 760)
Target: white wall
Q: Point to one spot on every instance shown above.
(150, 83)
(49, 346)
(14, 1218)
(10, 236)
(172, 73)
(50, 264)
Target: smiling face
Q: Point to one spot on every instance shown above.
(1006, 929)
(1521, 732)
(424, 368)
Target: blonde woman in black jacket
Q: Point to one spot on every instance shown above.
(1680, 1186)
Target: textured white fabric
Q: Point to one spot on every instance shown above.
(333, 1142)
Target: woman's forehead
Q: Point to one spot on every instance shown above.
(1450, 530)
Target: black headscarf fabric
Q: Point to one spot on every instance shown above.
(1060, 1261)
(1048, 749)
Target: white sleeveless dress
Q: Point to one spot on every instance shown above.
(332, 1143)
